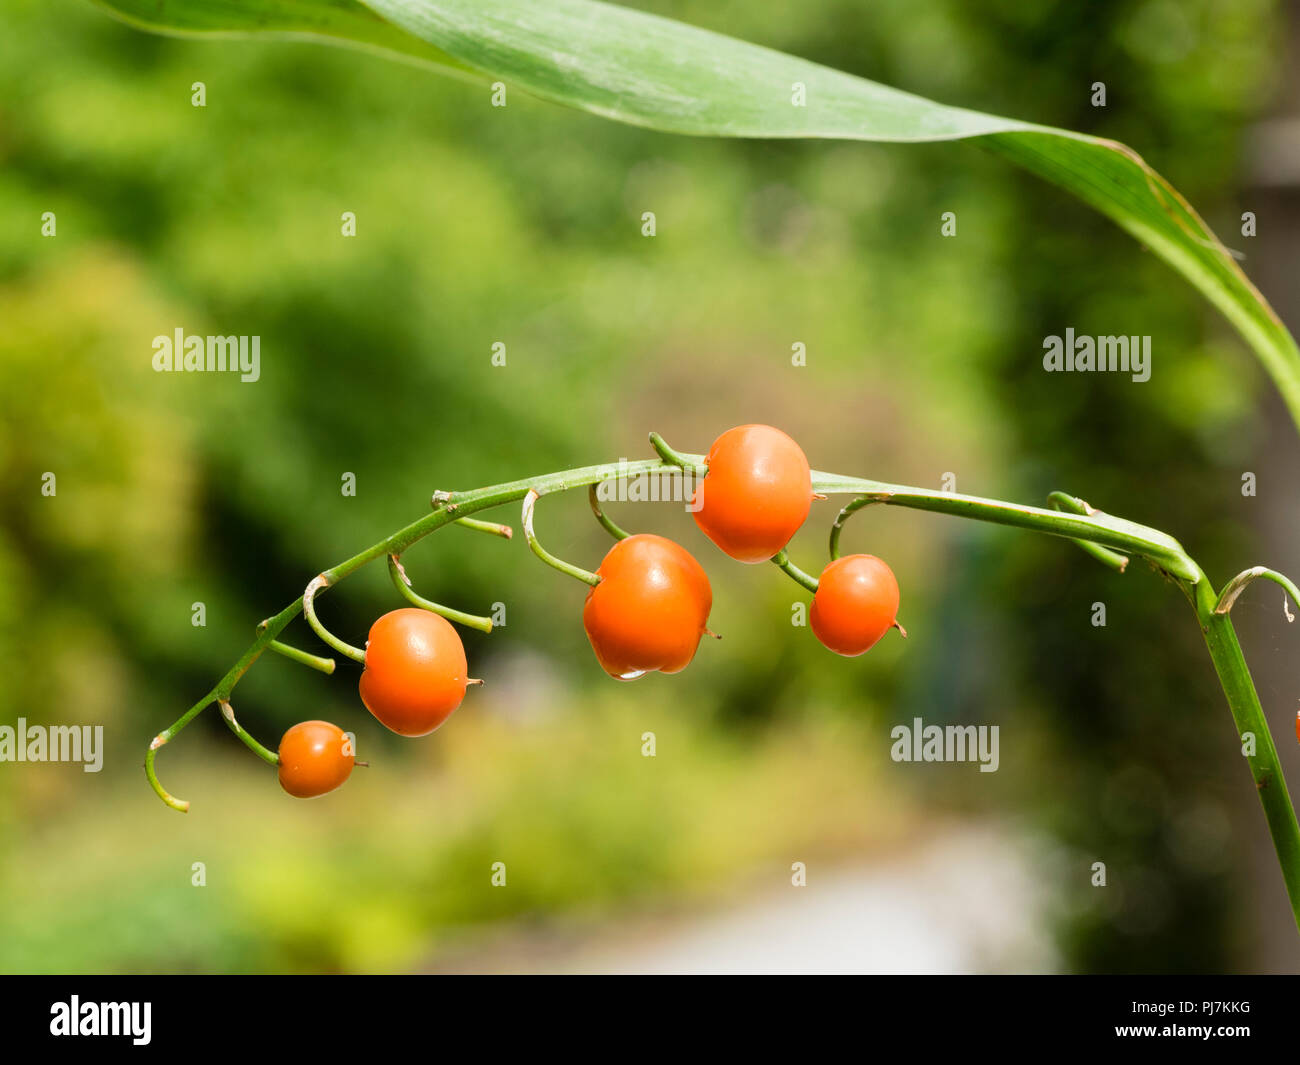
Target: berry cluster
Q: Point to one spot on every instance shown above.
(647, 610)
(650, 604)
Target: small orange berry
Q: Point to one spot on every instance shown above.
(855, 604)
(315, 758)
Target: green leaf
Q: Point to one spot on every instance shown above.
(666, 75)
(329, 21)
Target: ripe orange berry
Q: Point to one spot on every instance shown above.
(855, 604)
(756, 493)
(415, 673)
(650, 608)
(315, 757)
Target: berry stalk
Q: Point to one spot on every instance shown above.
(1110, 539)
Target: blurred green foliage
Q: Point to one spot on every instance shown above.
(522, 225)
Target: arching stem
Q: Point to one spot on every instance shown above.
(606, 522)
(782, 562)
(403, 584)
(1233, 589)
(228, 713)
(838, 525)
(309, 611)
(1093, 527)
(586, 576)
(158, 741)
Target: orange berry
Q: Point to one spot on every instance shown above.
(415, 673)
(855, 604)
(650, 608)
(756, 494)
(315, 757)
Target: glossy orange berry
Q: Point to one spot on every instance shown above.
(756, 493)
(855, 604)
(315, 757)
(415, 673)
(650, 608)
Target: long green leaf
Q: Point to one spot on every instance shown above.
(666, 75)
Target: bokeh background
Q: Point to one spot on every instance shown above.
(522, 225)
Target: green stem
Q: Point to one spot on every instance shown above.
(163, 737)
(1128, 537)
(1238, 584)
(319, 584)
(689, 463)
(568, 568)
(325, 665)
(1248, 714)
(606, 522)
(228, 712)
(838, 525)
(492, 528)
(1111, 559)
(403, 584)
(782, 562)
(1167, 555)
